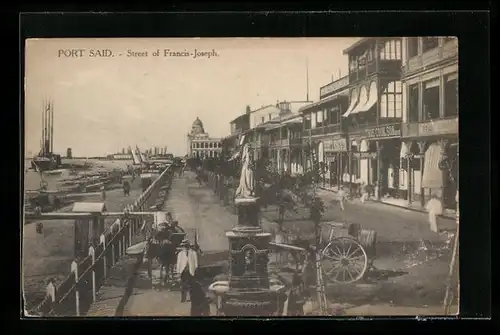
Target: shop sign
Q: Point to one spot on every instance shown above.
(393, 130)
(332, 87)
(438, 127)
(362, 155)
(337, 145)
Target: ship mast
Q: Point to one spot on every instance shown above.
(51, 111)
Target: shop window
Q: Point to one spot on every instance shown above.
(431, 99)
(353, 64)
(413, 103)
(383, 106)
(307, 122)
(319, 118)
(390, 50)
(412, 46)
(429, 43)
(451, 95)
(391, 101)
(369, 55)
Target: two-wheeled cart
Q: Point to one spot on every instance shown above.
(345, 258)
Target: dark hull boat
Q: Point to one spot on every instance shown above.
(46, 160)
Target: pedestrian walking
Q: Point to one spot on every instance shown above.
(341, 195)
(434, 208)
(103, 193)
(187, 263)
(365, 195)
(126, 188)
(200, 304)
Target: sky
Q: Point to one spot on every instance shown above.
(104, 104)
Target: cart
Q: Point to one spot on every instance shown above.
(346, 257)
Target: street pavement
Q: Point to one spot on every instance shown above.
(410, 270)
(195, 207)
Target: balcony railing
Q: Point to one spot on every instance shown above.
(432, 56)
(432, 127)
(323, 130)
(386, 66)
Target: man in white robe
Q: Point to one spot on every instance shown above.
(187, 263)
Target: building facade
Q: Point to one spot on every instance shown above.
(323, 132)
(200, 144)
(373, 117)
(429, 154)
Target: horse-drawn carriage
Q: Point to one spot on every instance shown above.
(162, 243)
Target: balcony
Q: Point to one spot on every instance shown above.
(333, 87)
(386, 67)
(324, 130)
(431, 57)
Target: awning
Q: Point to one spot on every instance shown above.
(433, 176)
(372, 98)
(404, 150)
(353, 103)
(363, 100)
(342, 94)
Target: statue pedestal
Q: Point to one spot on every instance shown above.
(248, 292)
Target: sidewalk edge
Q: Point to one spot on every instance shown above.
(129, 288)
(447, 217)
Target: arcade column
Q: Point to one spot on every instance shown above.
(249, 292)
(422, 147)
(380, 147)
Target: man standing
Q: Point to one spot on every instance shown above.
(187, 263)
(341, 196)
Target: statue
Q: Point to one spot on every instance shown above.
(246, 189)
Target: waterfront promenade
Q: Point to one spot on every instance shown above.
(49, 255)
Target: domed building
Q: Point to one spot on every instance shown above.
(200, 144)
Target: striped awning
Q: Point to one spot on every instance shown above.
(433, 176)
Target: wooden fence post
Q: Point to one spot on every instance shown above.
(74, 270)
(124, 237)
(131, 224)
(119, 223)
(92, 253)
(103, 241)
(112, 254)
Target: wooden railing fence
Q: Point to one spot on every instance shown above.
(74, 296)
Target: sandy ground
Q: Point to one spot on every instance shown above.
(50, 255)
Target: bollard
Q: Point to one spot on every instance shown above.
(74, 269)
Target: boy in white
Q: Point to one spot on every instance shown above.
(434, 208)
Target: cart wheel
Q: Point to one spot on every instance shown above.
(344, 260)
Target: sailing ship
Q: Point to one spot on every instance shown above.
(46, 159)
